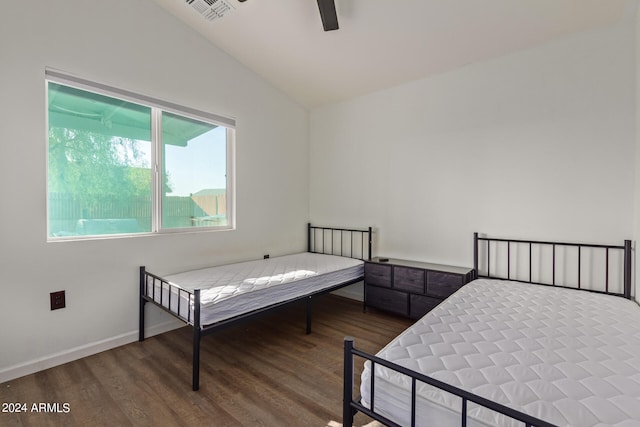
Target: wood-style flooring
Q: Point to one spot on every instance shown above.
(264, 372)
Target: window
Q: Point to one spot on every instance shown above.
(121, 163)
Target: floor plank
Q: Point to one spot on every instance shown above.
(264, 372)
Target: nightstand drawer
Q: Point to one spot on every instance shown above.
(387, 299)
(421, 305)
(376, 274)
(408, 279)
(443, 284)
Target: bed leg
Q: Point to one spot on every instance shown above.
(627, 269)
(143, 302)
(475, 255)
(309, 307)
(196, 359)
(141, 325)
(347, 397)
(196, 340)
(364, 297)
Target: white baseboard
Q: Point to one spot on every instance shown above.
(56, 359)
(353, 292)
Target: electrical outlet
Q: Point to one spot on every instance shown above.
(57, 300)
(266, 256)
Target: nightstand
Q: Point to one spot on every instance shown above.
(410, 288)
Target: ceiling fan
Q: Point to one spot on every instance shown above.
(327, 14)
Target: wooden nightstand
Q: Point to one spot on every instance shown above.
(410, 288)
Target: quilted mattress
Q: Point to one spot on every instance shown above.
(234, 289)
(569, 357)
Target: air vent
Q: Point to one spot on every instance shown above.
(211, 9)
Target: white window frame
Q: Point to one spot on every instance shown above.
(157, 107)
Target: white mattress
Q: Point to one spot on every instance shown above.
(569, 357)
(234, 289)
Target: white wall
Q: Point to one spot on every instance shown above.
(539, 144)
(133, 45)
(636, 231)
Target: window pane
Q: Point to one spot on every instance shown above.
(99, 176)
(194, 173)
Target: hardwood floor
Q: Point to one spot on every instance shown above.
(265, 372)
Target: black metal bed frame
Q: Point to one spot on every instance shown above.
(351, 406)
(322, 240)
(626, 248)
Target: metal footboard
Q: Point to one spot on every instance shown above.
(149, 282)
(153, 289)
(351, 405)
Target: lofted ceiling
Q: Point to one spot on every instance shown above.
(383, 43)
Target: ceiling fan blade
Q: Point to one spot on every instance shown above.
(328, 14)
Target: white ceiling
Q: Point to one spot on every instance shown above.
(384, 43)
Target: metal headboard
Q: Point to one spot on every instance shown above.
(352, 243)
(607, 249)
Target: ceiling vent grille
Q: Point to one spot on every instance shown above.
(211, 9)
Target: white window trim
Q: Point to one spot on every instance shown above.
(157, 107)
(80, 83)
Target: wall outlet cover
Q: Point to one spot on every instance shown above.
(57, 300)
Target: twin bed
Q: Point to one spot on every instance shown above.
(505, 350)
(210, 298)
